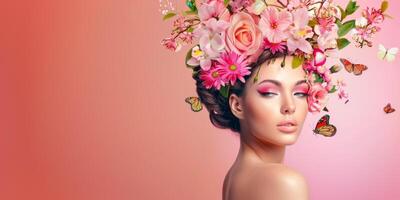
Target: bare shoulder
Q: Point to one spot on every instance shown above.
(277, 181)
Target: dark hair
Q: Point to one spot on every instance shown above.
(217, 105)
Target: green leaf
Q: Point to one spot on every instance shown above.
(297, 61)
(169, 15)
(342, 43)
(190, 29)
(191, 4)
(346, 27)
(351, 7)
(384, 6)
(190, 12)
(343, 13)
(226, 2)
(318, 78)
(312, 22)
(224, 91)
(333, 89)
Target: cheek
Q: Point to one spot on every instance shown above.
(301, 109)
(261, 112)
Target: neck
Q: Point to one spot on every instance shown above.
(260, 151)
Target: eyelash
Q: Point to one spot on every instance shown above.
(303, 94)
(269, 94)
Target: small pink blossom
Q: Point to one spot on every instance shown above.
(325, 25)
(237, 5)
(329, 86)
(171, 44)
(321, 70)
(309, 67)
(327, 40)
(343, 95)
(274, 24)
(233, 67)
(210, 9)
(274, 47)
(375, 16)
(317, 98)
(327, 76)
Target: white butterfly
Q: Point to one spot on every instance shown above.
(387, 54)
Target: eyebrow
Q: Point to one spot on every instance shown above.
(280, 84)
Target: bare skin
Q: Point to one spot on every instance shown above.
(258, 172)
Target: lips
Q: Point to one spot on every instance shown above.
(287, 126)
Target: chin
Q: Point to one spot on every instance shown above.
(288, 139)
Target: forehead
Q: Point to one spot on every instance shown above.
(273, 70)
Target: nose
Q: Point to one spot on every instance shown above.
(288, 106)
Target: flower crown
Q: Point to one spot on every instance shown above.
(233, 33)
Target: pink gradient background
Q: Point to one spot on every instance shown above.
(92, 107)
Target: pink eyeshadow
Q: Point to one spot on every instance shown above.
(264, 89)
(303, 88)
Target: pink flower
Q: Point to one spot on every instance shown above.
(274, 47)
(325, 25)
(171, 44)
(239, 4)
(310, 77)
(329, 86)
(293, 4)
(233, 66)
(274, 23)
(300, 32)
(212, 78)
(317, 98)
(327, 40)
(373, 17)
(309, 67)
(319, 57)
(211, 41)
(321, 70)
(243, 36)
(343, 95)
(210, 9)
(327, 76)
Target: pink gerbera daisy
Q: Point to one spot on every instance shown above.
(233, 66)
(212, 78)
(274, 47)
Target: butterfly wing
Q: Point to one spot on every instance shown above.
(391, 54)
(347, 65)
(381, 52)
(195, 103)
(327, 131)
(323, 121)
(359, 68)
(388, 109)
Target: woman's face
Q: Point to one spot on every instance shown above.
(274, 108)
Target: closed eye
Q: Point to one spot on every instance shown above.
(301, 94)
(268, 94)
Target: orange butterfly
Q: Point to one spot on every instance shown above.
(356, 69)
(388, 109)
(195, 103)
(324, 128)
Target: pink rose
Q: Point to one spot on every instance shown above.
(243, 36)
(317, 98)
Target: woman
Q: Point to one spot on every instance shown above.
(268, 115)
(259, 67)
